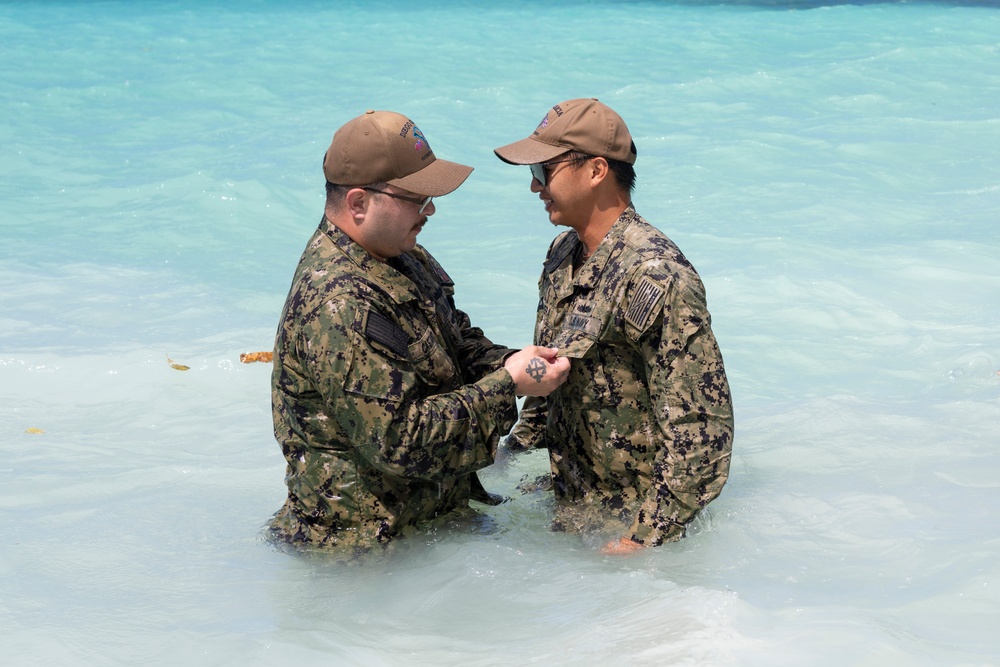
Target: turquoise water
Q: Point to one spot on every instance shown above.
(831, 169)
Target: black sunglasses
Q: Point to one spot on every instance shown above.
(423, 201)
(538, 169)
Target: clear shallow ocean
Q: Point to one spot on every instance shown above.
(833, 170)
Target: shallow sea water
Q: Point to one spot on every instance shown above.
(831, 169)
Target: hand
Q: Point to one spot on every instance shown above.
(621, 547)
(537, 371)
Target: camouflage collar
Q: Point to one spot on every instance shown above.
(382, 274)
(590, 273)
(617, 232)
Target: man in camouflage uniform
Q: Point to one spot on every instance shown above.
(386, 400)
(643, 428)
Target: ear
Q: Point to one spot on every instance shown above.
(356, 203)
(599, 170)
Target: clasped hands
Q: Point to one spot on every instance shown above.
(537, 371)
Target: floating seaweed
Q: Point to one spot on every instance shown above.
(262, 357)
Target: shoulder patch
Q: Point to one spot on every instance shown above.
(642, 309)
(381, 329)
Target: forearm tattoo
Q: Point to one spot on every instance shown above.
(536, 369)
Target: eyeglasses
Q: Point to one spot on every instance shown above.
(423, 201)
(538, 169)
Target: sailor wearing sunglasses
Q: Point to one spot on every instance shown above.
(641, 434)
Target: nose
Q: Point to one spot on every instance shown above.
(429, 211)
(535, 185)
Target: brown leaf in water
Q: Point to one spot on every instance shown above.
(176, 366)
(262, 357)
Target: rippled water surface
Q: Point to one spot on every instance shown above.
(831, 169)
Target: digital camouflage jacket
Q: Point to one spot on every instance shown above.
(385, 399)
(643, 428)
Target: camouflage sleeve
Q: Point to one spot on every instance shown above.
(479, 355)
(692, 404)
(529, 432)
(400, 405)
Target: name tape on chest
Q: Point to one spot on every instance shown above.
(642, 310)
(578, 321)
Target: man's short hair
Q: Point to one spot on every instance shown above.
(623, 172)
(335, 193)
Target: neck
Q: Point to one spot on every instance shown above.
(601, 220)
(347, 224)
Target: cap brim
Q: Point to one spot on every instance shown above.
(529, 151)
(436, 179)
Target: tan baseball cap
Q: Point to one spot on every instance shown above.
(387, 147)
(584, 125)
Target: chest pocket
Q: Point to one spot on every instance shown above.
(431, 361)
(400, 352)
(578, 337)
(575, 335)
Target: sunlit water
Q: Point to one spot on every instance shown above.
(832, 170)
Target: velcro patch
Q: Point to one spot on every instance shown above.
(578, 321)
(442, 275)
(381, 329)
(643, 309)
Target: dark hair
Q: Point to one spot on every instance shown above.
(335, 193)
(623, 172)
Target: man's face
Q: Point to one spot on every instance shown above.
(564, 191)
(391, 226)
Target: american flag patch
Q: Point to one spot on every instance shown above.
(641, 312)
(381, 329)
